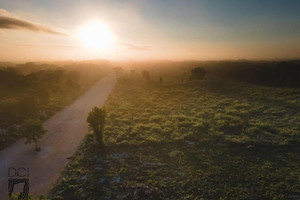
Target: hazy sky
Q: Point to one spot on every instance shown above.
(152, 29)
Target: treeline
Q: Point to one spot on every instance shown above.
(32, 95)
(278, 74)
(270, 73)
(39, 90)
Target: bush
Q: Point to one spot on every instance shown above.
(32, 130)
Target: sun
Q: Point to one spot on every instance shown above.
(96, 36)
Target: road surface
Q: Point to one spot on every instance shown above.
(66, 129)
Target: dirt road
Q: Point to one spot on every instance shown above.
(66, 129)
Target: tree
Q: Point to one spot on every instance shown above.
(118, 71)
(96, 120)
(32, 130)
(146, 75)
(197, 73)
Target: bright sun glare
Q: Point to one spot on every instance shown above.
(96, 36)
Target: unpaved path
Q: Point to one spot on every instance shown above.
(66, 129)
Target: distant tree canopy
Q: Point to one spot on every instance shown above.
(197, 73)
(146, 75)
(271, 73)
(31, 95)
(32, 130)
(118, 71)
(37, 91)
(96, 120)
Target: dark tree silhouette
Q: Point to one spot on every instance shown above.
(118, 71)
(32, 130)
(197, 73)
(96, 120)
(160, 81)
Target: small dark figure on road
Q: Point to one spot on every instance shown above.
(160, 80)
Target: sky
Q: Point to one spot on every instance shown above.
(41, 30)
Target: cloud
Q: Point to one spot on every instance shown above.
(8, 21)
(135, 47)
(42, 45)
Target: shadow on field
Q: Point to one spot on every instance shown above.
(179, 169)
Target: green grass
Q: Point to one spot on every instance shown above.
(210, 140)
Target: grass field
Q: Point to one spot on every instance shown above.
(213, 139)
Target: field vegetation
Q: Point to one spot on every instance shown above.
(211, 139)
